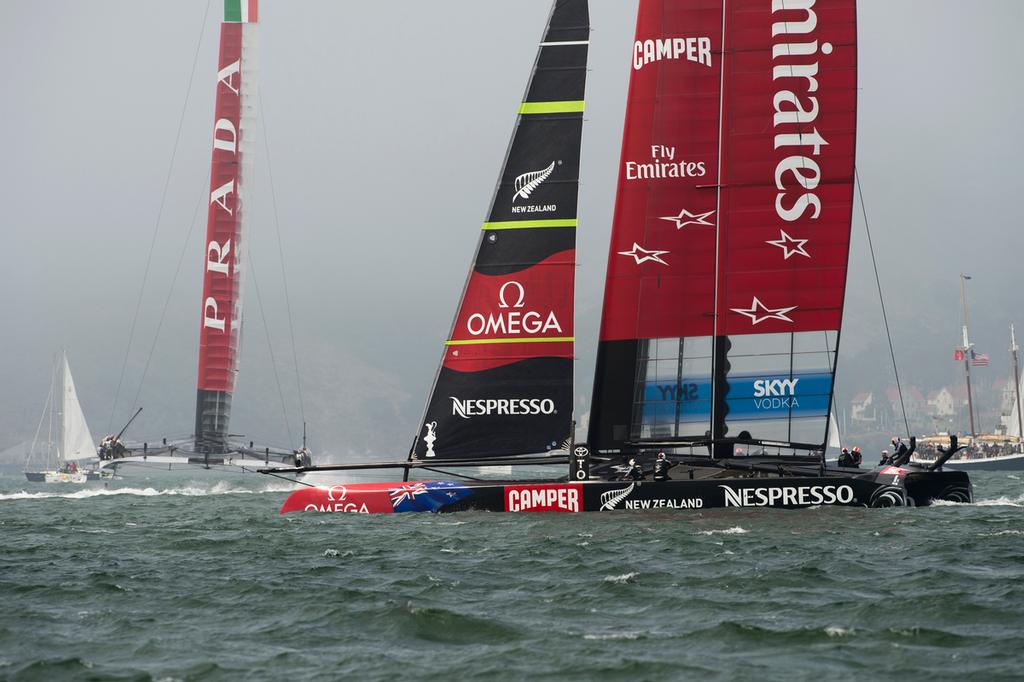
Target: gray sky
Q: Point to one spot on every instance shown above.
(387, 123)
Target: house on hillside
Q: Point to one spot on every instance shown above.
(916, 406)
(942, 404)
(913, 400)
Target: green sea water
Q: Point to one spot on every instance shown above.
(184, 580)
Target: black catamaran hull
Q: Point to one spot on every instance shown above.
(890, 487)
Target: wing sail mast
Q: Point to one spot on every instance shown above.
(230, 177)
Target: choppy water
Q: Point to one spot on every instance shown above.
(188, 581)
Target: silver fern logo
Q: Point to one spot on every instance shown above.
(611, 499)
(527, 183)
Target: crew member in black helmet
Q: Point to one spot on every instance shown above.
(636, 472)
(661, 467)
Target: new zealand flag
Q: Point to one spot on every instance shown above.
(427, 496)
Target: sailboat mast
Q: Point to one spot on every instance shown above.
(62, 433)
(231, 170)
(52, 409)
(967, 350)
(1014, 348)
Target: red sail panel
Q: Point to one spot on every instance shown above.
(661, 266)
(789, 123)
(220, 319)
(732, 224)
(516, 316)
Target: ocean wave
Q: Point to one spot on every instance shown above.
(621, 579)
(1003, 501)
(836, 631)
(221, 488)
(612, 635)
(735, 530)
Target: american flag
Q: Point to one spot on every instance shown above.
(979, 359)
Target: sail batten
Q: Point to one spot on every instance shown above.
(505, 385)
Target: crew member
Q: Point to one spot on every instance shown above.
(855, 456)
(885, 458)
(899, 450)
(661, 466)
(636, 472)
(845, 459)
(303, 458)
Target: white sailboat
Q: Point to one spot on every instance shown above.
(69, 442)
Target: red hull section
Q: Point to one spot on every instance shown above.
(364, 498)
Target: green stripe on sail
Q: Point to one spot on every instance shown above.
(538, 339)
(233, 10)
(524, 224)
(571, 107)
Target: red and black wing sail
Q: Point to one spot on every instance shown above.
(731, 232)
(231, 170)
(505, 385)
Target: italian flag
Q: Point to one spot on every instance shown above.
(241, 11)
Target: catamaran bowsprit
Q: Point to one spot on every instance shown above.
(724, 292)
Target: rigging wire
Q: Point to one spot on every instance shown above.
(270, 347)
(170, 292)
(881, 299)
(47, 412)
(280, 252)
(159, 215)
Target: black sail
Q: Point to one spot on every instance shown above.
(505, 384)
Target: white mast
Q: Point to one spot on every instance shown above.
(1015, 349)
(967, 350)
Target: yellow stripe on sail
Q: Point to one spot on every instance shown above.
(524, 224)
(569, 107)
(534, 339)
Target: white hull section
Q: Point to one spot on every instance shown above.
(60, 477)
(69, 477)
(1014, 462)
(155, 466)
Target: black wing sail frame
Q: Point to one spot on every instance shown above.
(505, 383)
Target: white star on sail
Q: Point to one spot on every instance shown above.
(686, 218)
(790, 246)
(641, 255)
(758, 312)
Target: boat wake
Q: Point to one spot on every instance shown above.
(185, 491)
(621, 579)
(1003, 501)
(735, 530)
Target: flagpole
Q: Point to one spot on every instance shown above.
(1014, 348)
(967, 350)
